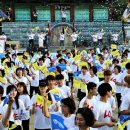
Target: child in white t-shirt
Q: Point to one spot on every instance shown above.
(61, 85)
(89, 100)
(22, 89)
(5, 110)
(37, 107)
(18, 108)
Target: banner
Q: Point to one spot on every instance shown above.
(57, 97)
(124, 120)
(51, 69)
(113, 46)
(62, 66)
(57, 122)
(77, 57)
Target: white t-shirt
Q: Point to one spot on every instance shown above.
(123, 75)
(66, 91)
(3, 37)
(117, 78)
(103, 113)
(19, 112)
(111, 100)
(90, 103)
(22, 79)
(103, 67)
(94, 79)
(111, 83)
(47, 62)
(35, 78)
(69, 122)
(16, 61)
(100, 35)
(60, 94)
(31, 36)
(115, 37)
(95, 38)
(41, 39)
(125, 105)
(14, 52)
(62, 37)
(26, 101)
(74, 37)
(40, 121)
(2, 114)
(63, 13)
(85, 77)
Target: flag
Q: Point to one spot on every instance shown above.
(37, 28)
(35, 66)
(113, 46)
(77, 84)
(39, 100)
(82, 63)
(6, 100)
(51, 69)
(77, 57)
(2, 80)
(3, 15)
(57, 122)
(62, 66)
(98, 67)
(57, 97)
(115, 53)
(84, 53)
(124, 118)
(100, 75)
(77, 73)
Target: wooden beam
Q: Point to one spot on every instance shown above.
(12, 6)
(52, 13)
(91, 12)
(71, 13)
(110, 11)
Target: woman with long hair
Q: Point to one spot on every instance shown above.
(23, 96)
(17, 107)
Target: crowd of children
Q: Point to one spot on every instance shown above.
(80, 86)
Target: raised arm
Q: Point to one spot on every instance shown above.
(5, 120)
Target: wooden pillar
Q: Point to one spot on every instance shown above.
(31, 12)
(110, 11)
(71, 13)
(52, 13)
(91, 13)
(12, 6)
